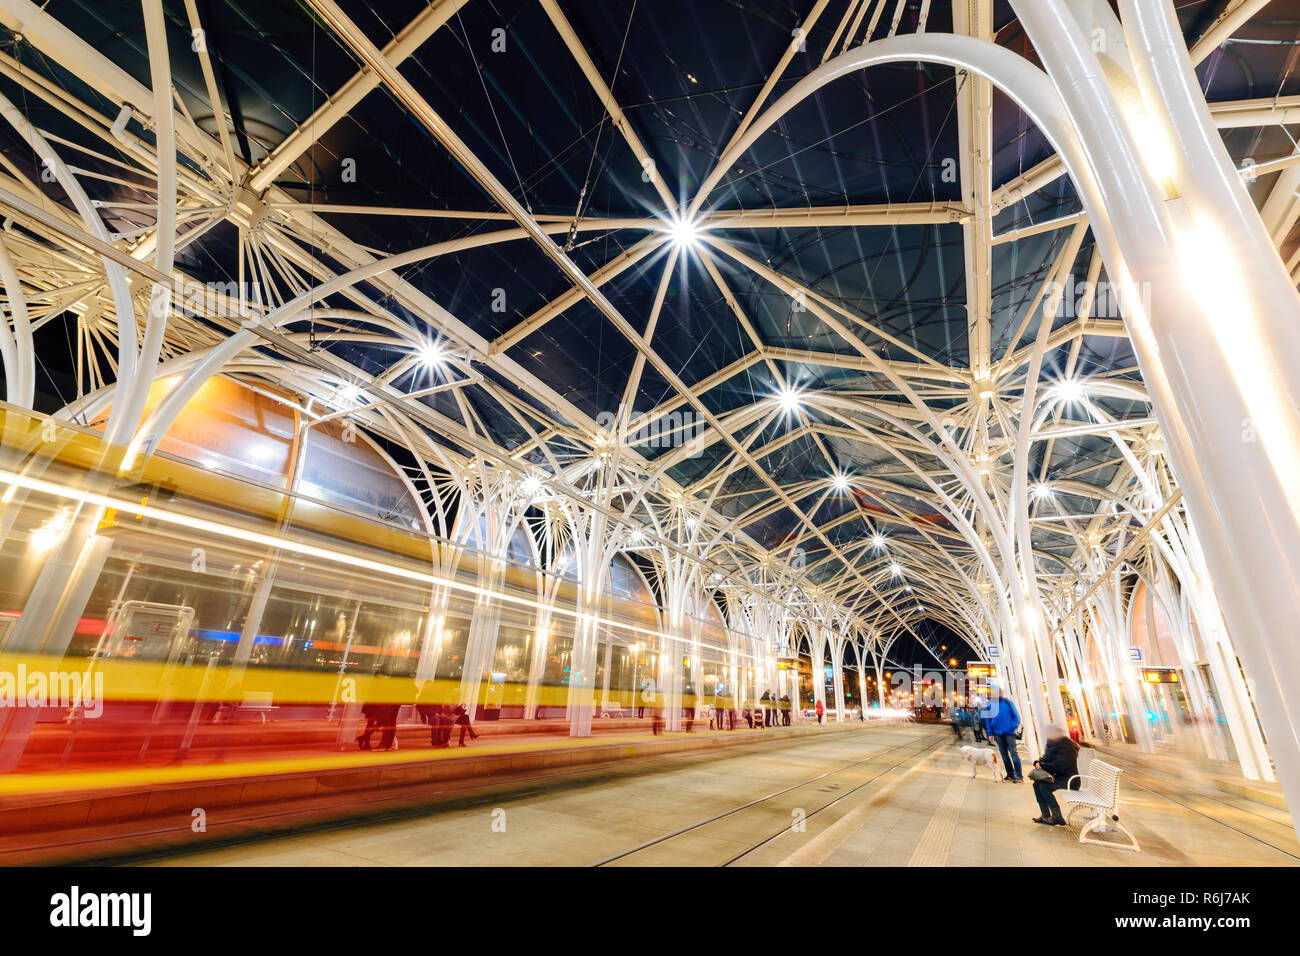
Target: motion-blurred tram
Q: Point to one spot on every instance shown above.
(199, 601)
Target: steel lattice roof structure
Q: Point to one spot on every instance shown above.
(587, 253)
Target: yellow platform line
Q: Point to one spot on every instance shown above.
(135, 777)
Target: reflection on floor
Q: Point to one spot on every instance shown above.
(890, 795)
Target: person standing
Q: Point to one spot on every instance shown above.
(1053, 771)
(821, 711)
(957, 717)
(976, 722)
(1001, 721)
(369, 713)
(388, 712)
(785, 710)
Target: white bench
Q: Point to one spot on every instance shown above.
(611, 709)
(1099, 793)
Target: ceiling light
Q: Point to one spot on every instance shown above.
(878, 541)
(432, 354)
(896, 569)
(1070, 390)
(790, 399)
(685, 233)
(841, 482)
(1041, 490)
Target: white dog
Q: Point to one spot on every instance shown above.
(980, 755)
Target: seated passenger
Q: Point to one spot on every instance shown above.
(428, 709)
(463, 722)
(445, 724)
(1060, 761)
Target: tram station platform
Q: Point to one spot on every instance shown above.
(281, 776)
(887, 794)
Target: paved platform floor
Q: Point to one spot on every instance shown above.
(891, 794)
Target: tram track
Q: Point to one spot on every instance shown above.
(1183, 791)
(461, 794)
(700, 828)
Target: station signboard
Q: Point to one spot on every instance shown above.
(1160, 675)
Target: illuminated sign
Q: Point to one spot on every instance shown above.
(981, 670)
(787, 663)
(149, 495)
(1164, 675)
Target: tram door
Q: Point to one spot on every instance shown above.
(146, 631)
(806, 700)
(1073, 720)
(491, 691)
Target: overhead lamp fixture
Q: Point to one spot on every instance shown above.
(349, 394)
(530, 486)
(684, 232)
(1071, 390)
(841, 482)
(896, 569)
(790, 399)
(432, 354)
(1041, 490)
(878, 541)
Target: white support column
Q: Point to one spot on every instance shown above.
(837, 653)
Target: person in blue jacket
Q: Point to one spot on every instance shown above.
(1001, 721)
